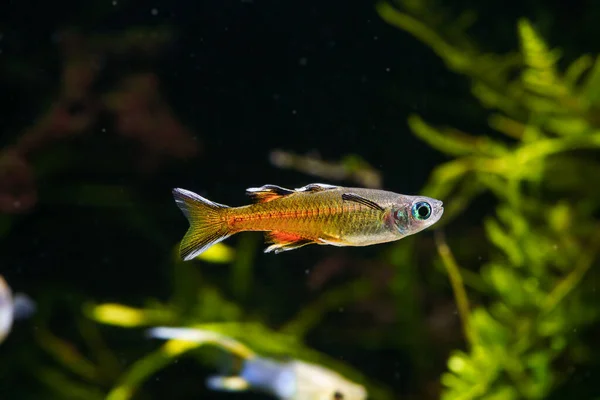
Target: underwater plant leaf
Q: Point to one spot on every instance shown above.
(504, 241)
(453, 142)
(219, 253)
(540, 76)
(538, 364)
(490, 332)
(66, 354)
(66, 387)
(453, 58)
(121, 315)
(577, 69)
(507, 283)
(508, 101)
(567, 125)
(590, 89)
(503, 392)
(508, 126)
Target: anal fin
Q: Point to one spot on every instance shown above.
(284, 241)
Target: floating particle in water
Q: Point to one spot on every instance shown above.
(154, 11)
(303, 61)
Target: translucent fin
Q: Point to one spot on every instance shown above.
(227, 383)
(361, 200)
(284, 241)
(206, 225)
(316, 187)
(23, 306)
(267, 193)
(185, 334)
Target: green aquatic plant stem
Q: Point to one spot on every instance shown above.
(460, 294)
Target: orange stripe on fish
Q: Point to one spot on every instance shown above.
(316, 213)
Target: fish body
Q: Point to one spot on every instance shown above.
(316, 213)
(6, 309)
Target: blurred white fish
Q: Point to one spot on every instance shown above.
(12, 307)
(292, 380)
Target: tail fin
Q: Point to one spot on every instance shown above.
(206, 226)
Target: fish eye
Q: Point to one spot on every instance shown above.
(338, 396)
(421, 210)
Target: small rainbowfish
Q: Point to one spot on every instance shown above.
(292, 380)
(316, 213)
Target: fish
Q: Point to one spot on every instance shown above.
(12, 307)
(289, 380)
(286, 380)
(317, 213)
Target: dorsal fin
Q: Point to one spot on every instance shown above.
(316, 187)
(267, 193)
(361, 200)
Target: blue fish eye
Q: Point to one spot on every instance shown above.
(421, 210)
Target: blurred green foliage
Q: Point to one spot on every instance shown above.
(545, 232)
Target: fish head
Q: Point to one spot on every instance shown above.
(411, 214)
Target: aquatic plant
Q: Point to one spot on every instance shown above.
(545, 235)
